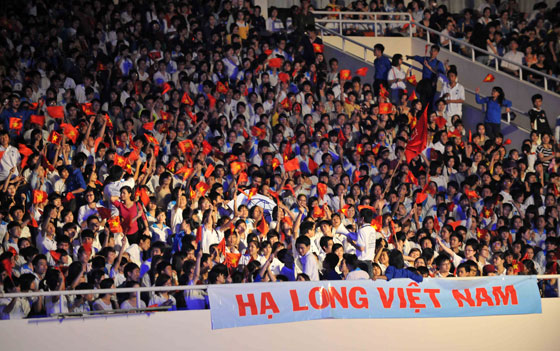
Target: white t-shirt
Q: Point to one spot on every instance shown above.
(396, 73)
(366, 239)
(309, 266)
(455, 93)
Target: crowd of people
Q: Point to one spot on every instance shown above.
(183, 143)
(499, 27)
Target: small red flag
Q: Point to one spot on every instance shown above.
(489, 78)
(421, 197)
(284, 77)
(345, 74)
(39, 196)
(70, 131)
(206, 147)
(201, 188)
(209, 171)
(243, 178)
(148, 126)
(385, 108)
(15, 123)
(412, 80)
(318, 48)
(291, 165)
(186, 146)
(362, 71)
(312, 165)
(56, 111)
(321, 190)
(413, 96)
(236, 167)
(222, 88)
(38, 119)
(115, 224)
(275, 62)
(186, 99)
(166, 88)
(440, 122)
(54, 138)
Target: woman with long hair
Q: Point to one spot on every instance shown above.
(494, 104)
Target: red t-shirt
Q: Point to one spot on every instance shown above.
(129, 225)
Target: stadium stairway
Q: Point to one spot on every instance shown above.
(351, 53)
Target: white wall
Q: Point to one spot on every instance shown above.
(190, 330)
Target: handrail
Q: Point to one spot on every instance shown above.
(498, 57)
(182, 288)
(367, 48)
(115, 311)
(360, 13)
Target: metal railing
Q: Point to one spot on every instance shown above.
(344, 19)
(374, 20)
(497, 59)
(367, 49)
(172, 289)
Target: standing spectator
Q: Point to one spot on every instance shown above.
(494, 104)
(382, 67)
(539, 121)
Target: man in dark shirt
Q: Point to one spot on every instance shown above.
(539, 123)
(382, 66)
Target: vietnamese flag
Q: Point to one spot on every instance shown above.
(286, 104)
(87, 108)
(421, 197)
(39, 196)
(362, 71)
(154, 55)
(70, 131)
(471, 194)
(412, 80)
(115, 224)
(258, 132)
(186, 99)
(263, 227)
(56, 111)
(417, 141)
(186, 170)
(360, 149)
(150, 139)
(440, 122)
(385, 108)
(222, 88)
(243, 178)
(101, 67)
(489, 78)
(507, 142)
(209, 171)
(345, 74)
(377, 223)
(383, 92)
(148, 126)
(318, 48)
(275, 62)
(290, 188)
(186, 146)
(312, 166)
(341, 137)
(275, 163)
(54, 138)
(232, 259)
(24, 150)
(38, 119)
(206, 147)
(15, 123)
(166, 88)
(108, 122)
(413, 96)
(291, 165)
(284, 77)
(236, 167)
(119, 161)
(321, 190)
(201, 188)
(344, 210)
(410, 178)
(318, 212)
